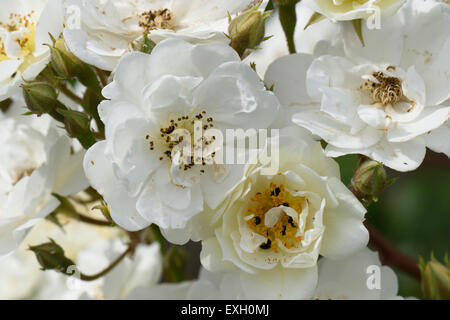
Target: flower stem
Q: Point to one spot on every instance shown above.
(69, 210)
(84, 277)
(390, 255)
(288, 19)
(93, 221)
(102, 76)
(65, 90)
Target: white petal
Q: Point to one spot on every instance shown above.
(50, 22)
(211, 257)
(280, 283)
(344, 230)
(287, 75)
(100, 174)
(329, 71)
(374, 116)
(402, 156)
(71, 178)
(428, 54)
(439, 140)
(77, 41)
(333, 132)
(348, 278)
(168, 205)
(126, 85)
(431, 118)
(382, 46)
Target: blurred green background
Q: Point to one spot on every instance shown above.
(413, 213)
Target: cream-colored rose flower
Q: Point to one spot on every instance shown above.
(25, 26)
(100, 32)
(340, 10)
(274, 227)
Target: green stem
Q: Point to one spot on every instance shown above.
(288, 19)
(84, 277)
(69, 210)
(63, 88)
(102, 77)
(390, 255)
(93, 221)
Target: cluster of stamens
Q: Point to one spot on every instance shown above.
(16, 22)
(156, 19)
(286, 228)
(386, 90)
(171, 137)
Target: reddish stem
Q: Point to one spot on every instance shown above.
(390, 255)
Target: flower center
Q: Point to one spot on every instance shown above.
(25, 41)
(156, 19)
(283, 228)
(385, 89)
(183, 134)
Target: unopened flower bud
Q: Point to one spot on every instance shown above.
(435, 279)
(41, 98)
(63, 62)
(246, 31)
(370, 179)
(51, 257)
(77, 125)
(66, 65)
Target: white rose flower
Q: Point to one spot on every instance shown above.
(99, 32)
(151, 97)
(379, 100)
(358, 277)
(274, 227)
(340, 10)
(35, 162)
(24, 29)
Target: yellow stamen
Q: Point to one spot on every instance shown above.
(156, 19)
(387, 90)
(286, 228)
